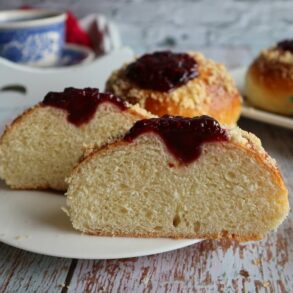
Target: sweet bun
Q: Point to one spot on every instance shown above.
(39, 149)
(179, 178)
(269, 79)
(168, 83)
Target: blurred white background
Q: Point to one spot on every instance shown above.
(231, 31)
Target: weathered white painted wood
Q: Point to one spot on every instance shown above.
(22, 271)
(230, 31)
(208, 266)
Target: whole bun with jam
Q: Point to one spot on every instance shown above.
(269, 79)
(184, 84)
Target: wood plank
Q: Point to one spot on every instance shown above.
(207, 267)
(210, 266)
(277, 251)
(22, 271)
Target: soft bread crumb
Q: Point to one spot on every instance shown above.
(129, 189)
(40, 148)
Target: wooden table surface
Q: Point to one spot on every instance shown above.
(210, 266)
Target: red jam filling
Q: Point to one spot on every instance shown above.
(286, 45)
(80, 104)
(162, 71)
(183, 137)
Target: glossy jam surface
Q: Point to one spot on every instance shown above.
(286, 45)
(162, 71)
(183, 137)
(80, 104)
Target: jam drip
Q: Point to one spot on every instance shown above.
(81, 104)
(162, 71)
(286, 45)
(183, 137)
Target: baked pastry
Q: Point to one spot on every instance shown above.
(269, 79)
(180, 178)
(39, 149)
(178, 84)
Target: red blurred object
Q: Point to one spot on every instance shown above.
(74, 33)
(26, 7)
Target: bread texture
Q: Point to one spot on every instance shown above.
(269, 81)
(39, 149)
(212, 93)
(233, 190)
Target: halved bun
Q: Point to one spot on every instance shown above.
(39, 149)
(139, 189)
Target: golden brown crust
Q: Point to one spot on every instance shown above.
(212, 93)
(269, 84)
(177, 236)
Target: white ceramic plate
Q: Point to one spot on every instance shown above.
(33, 220)
(256, 114)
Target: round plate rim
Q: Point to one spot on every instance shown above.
(20, 214)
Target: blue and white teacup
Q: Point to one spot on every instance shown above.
(33, 37)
